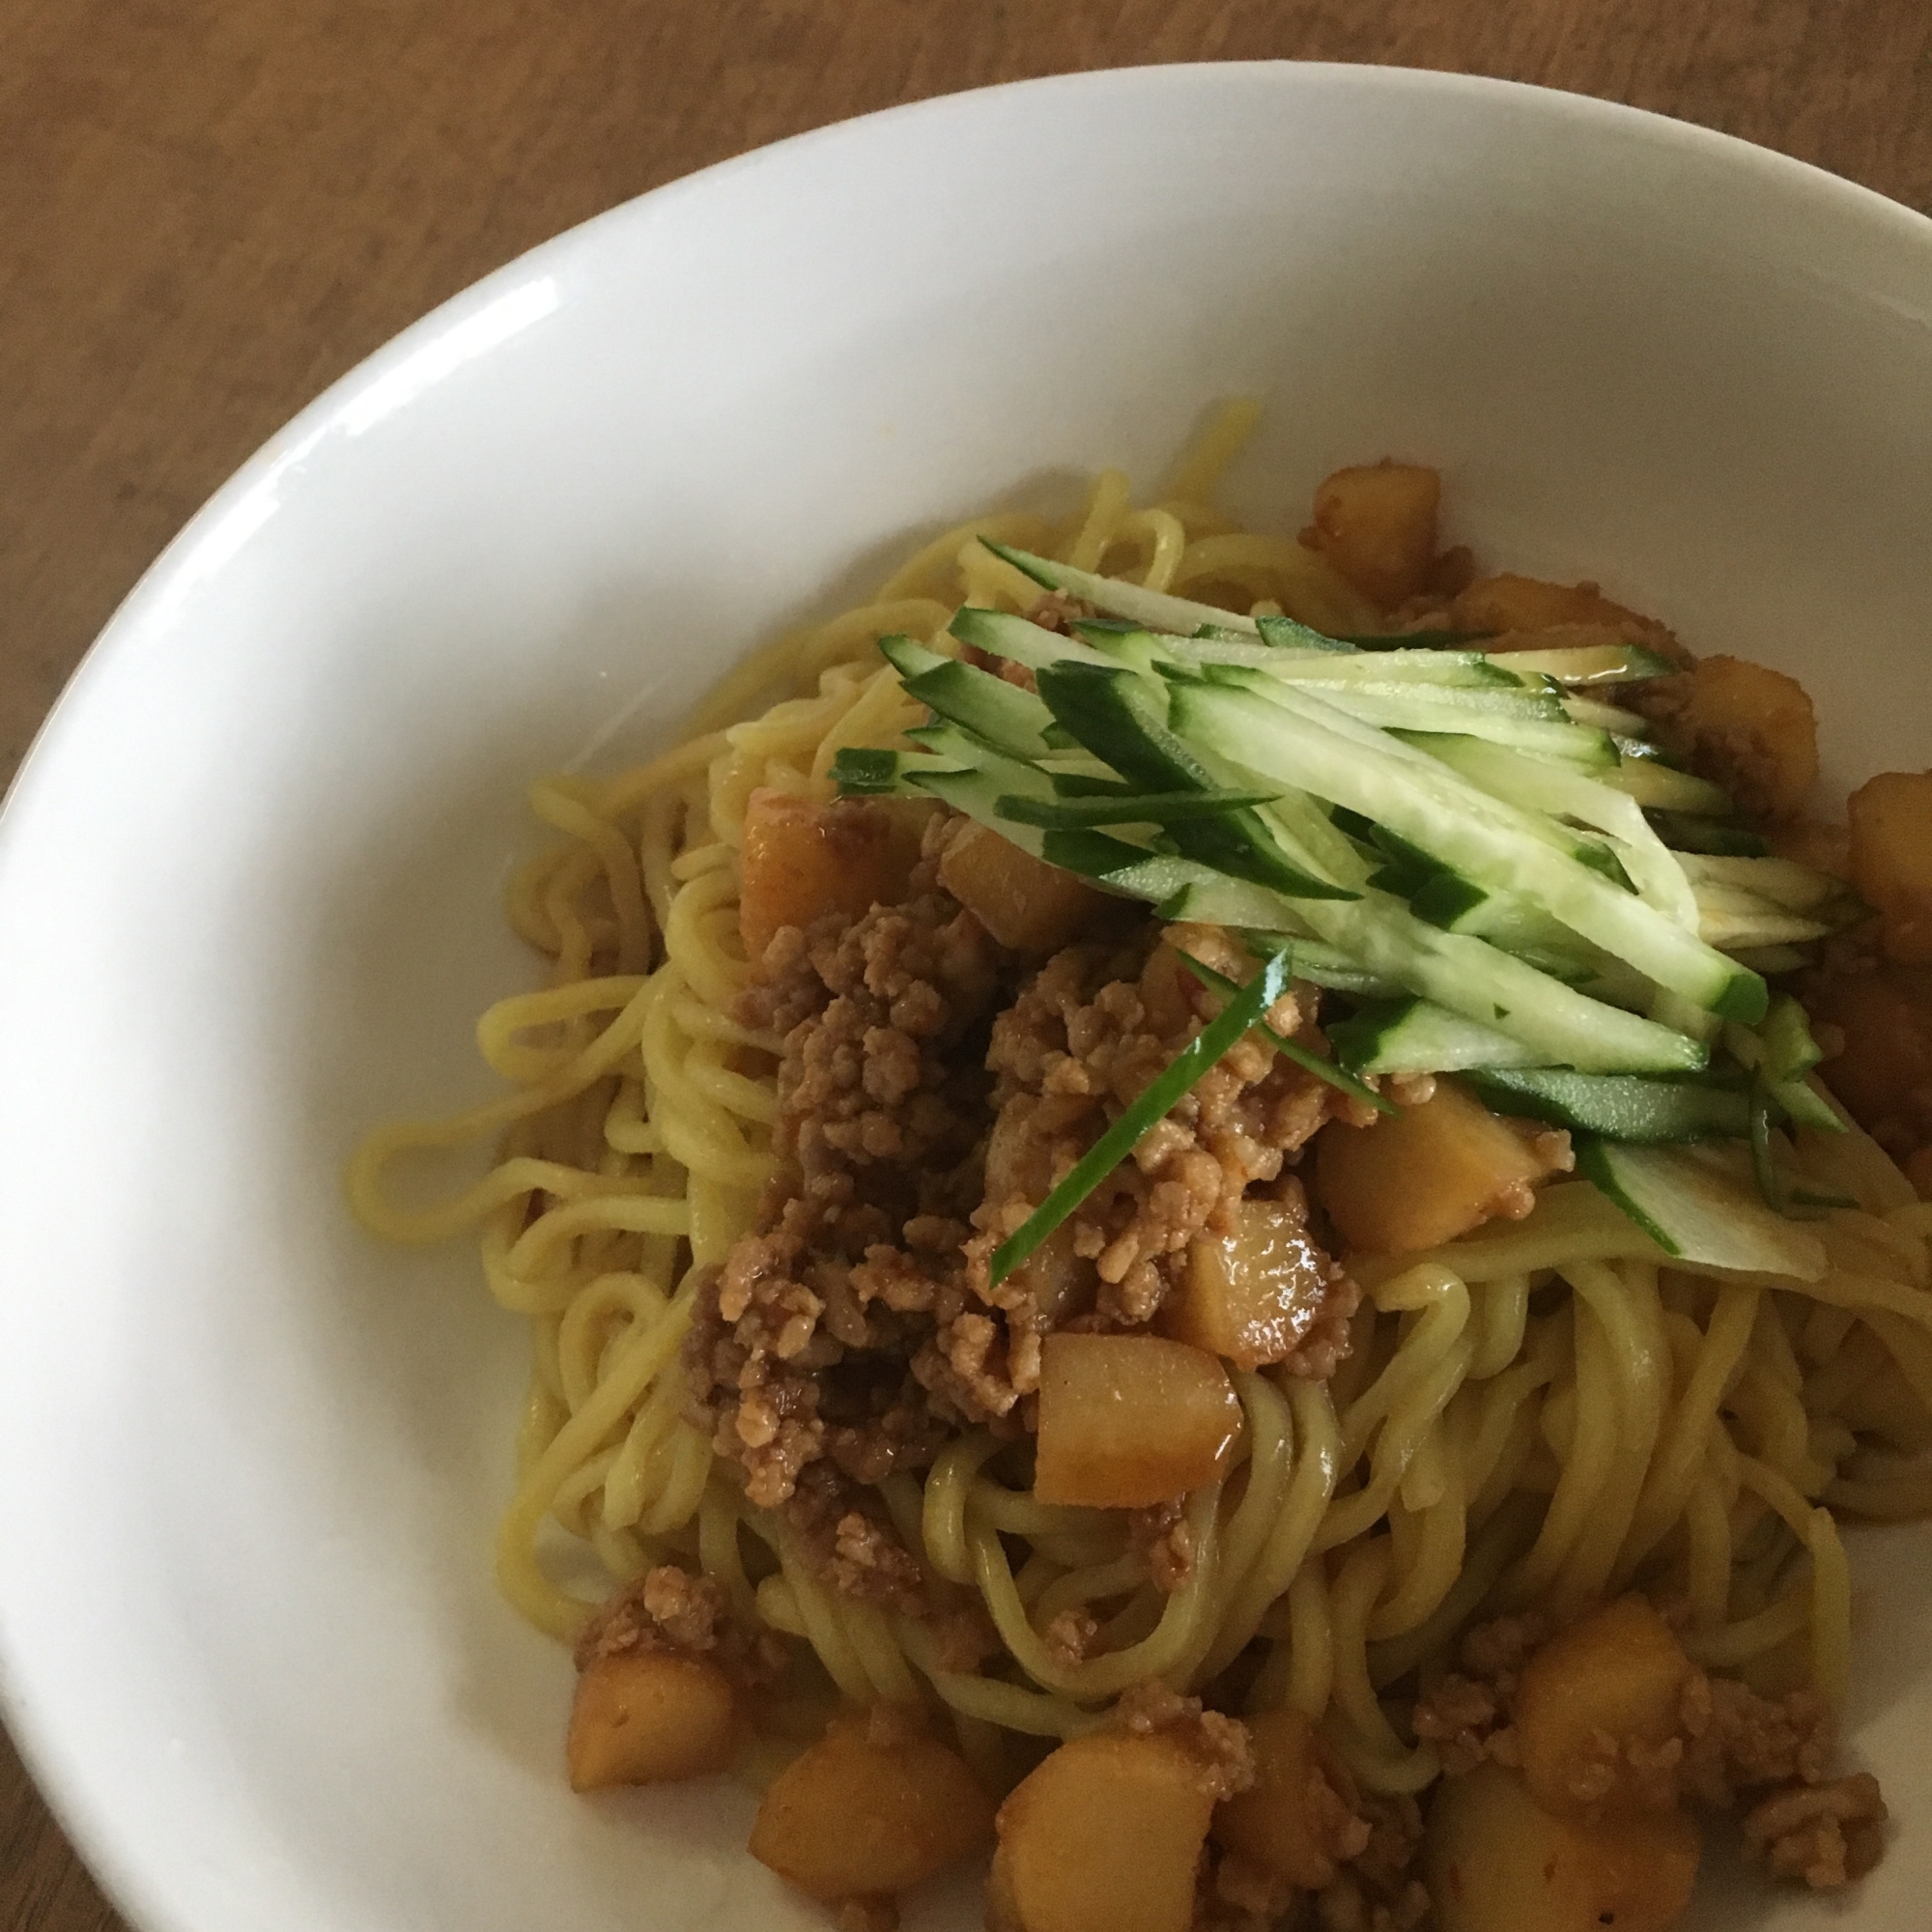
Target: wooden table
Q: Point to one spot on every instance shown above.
(210, 208)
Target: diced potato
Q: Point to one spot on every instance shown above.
(1425, 1175)
(645, 1717)
(1891, 859)
(871, 1808)
(1130, 1420)
(1745, 727)
(1509, 603)
(1885, 1016)
(1288, 1820)
(1493, 1860)
(1003, 1912)
(1377, 525)
(1104, 1836)
(801, 861)
(1618, 1673)
(1250, 1295)
(1024, 902)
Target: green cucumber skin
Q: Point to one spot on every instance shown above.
(1596, 1166)
(1695, 1212)
(1152, 608)
(1113, 713)
(1618, 1107)
(1000, 714)
(1417, 1037)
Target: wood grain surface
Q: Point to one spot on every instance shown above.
(210, 208)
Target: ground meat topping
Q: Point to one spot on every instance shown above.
(669, 1609)
(929, 1100)
(1071, 1637)
(1738, 1741)
(1082, 1041)
(1375, 1848)
(1463, 1719)
(1218, 1745)
(666, 1609)
(1467, 1714)
(847, 1540)
(1160, 1537)
(803, 1346)
(1827, 1835)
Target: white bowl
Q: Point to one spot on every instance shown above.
(249, 1459)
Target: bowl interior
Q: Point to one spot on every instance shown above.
(250, 1460)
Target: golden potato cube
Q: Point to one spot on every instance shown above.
(1891, 859)
(1424, 1174)
(1617, 1675)
(1104, 1836)
(1025, 903)
(871, 1808)
(646, 1717)
(1746, 726)
(1494, 1861)
(1377, 525)
(801, 861)
(1252, 1295)
(1130, 1420)
(1885, 1016)
(1289, 1821)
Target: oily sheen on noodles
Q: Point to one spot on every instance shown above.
(1547, 1415)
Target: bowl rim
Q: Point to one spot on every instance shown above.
(62, 1769)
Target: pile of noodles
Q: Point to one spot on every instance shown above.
(1541, 1413)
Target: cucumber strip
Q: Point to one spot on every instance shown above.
(1121, 716)
(1692, 831)
(1152, 608)
(1214, 899)
(1287, 737)
(1005, 636)
(1165, 808)
(1423, 641)
(1286, 633)
(1417, 1037)
(1539, 786)
(1235, 1019)
(1418, 706)
(1660, 787)
(1605, 718)
(1771, 927)
(1768, 960)
(1591, 664)
(1000, 714)
(1694, 1211)
(1458, 905)
(1558, 1025)
(860, 772)
(1789, 1050)
(1453, 669)
(1804, 1107)
(1618, 1106)
(1782, 881)
(1324, 1071)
